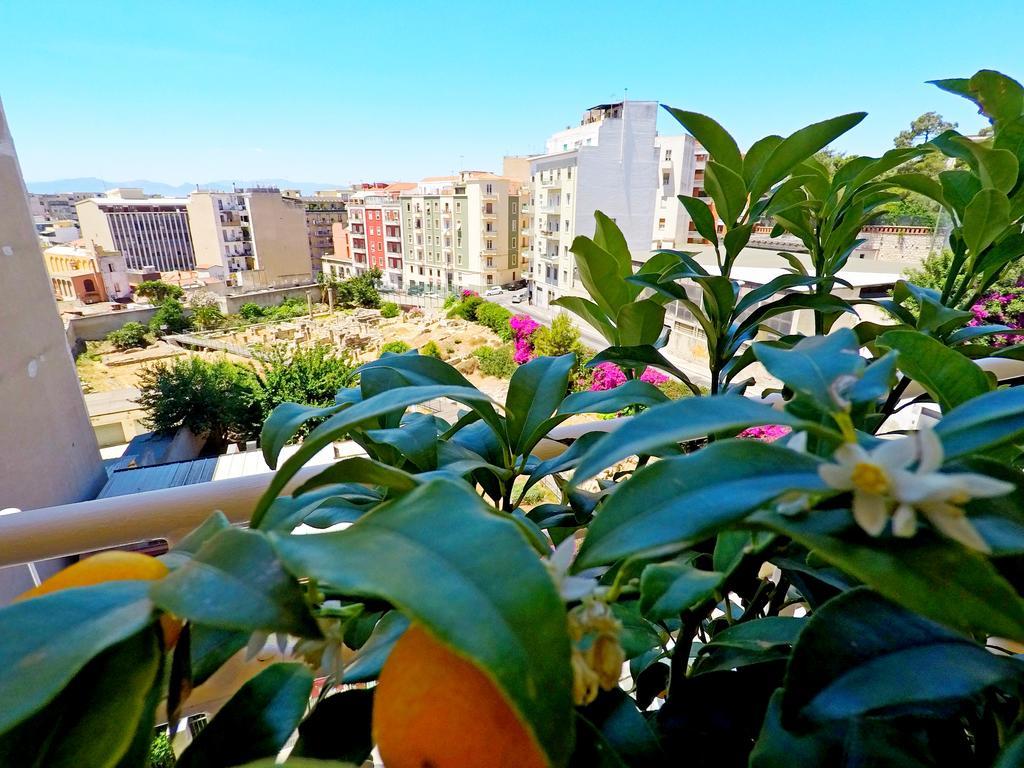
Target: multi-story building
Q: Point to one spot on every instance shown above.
(463, 232)
(607, 163)
(149, 231)
(676, 164)
(322, 212)
(375, 227)
(85, 272)
(56, 207)
(338, 264)
(518, 169)
(218, 236)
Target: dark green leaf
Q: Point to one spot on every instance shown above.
(339, 728)
(727, 189)
(935, 577)
(624, 728)
(675, 422)
(421, 553)
(599, 274)
(640, 322)
(609, 238)
(702, 217)
(283, 424)
(256, 722)
(985, 217)
(814, 364)
(367, 662)
(45, 641)
(666, 589)
(860, 654)
(185, 549)
(94, 720)
(712, 136)
(681, 500)
(591, 314)
(210, 648)
(949, 377)
(987, 421)
(237, 582)
(535, 391)
(958, 189)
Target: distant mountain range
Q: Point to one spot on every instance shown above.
(93, 184)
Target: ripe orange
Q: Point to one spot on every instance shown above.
(434, 709)
(110, 566)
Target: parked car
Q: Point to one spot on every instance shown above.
(517, 299)
(495, 291)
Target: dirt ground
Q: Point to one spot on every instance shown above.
(102, 369)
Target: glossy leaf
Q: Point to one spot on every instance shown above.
(682, 500)
(255, 722)
(210, 648)
(934, 577)
(338, 728)
(666, 589)
(591, 314)
(727, 189)
(94, 720)
(702, 217)
(861, 654)
(599, 274)
(422, 553)
(46, 641)
(813, 366)
(985, 217)
(949, 377)
(712, 136)
(983, 423)
(367, 662)
(675, 422)
(535, 391)
(284, 423)
(236, 581)
(340, 424)
(640, 322)
(609, 238)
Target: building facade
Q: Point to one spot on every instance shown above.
(375, 232)
(56, 207)
(218, 236)
(463, 233)
(676, 166)
(150, 232)
(323, 211)
(607, 163)
(86, 273)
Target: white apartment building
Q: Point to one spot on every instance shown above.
(463, 233)
(676, 168)
(218, 237)
(149, 231)
(608, 162)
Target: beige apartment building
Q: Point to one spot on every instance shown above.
(149, 231)
(463, 232)
(323, 211)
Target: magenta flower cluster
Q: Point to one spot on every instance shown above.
(768, 433)
(523, 328)
(1005, 307)
(610, 376)
(467, 293)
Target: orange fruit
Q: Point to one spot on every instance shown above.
(434, 709)
(114, 565)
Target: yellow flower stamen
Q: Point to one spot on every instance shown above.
(870, 478)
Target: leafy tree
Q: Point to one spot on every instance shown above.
(397, 347)
(832, 160)
(216, 399)
(559, 338)
(170, 318)
(161, 755)
(311, 376)
(158, 291)
(922, 129)
(363, 290)
(128, 336)
(207, 317)
(389, 309)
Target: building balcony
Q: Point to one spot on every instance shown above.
(486, 196)
(488, 216)
(552, 183)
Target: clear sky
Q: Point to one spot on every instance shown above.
(337, 91)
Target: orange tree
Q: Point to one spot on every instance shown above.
(847, 595)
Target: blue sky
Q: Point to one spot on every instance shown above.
(341, 91)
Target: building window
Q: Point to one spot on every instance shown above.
(490, 189)
(665, 178)
(89, 285)
(661, 223)
(490, 245)
(515, 207)
(668, 154)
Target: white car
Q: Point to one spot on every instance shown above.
(495, 291)
(517, 299)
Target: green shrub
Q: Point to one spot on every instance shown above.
(207, 317)
(466, 309)
(450, 300)
(251, 312)
(129, 335)
(170, 318)
(310, 376)
(161, 755)
(430, 349)
(495, 317)
(389, 309)
(217, 399)
(496, 361)
(675, 389)
(398, 347)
